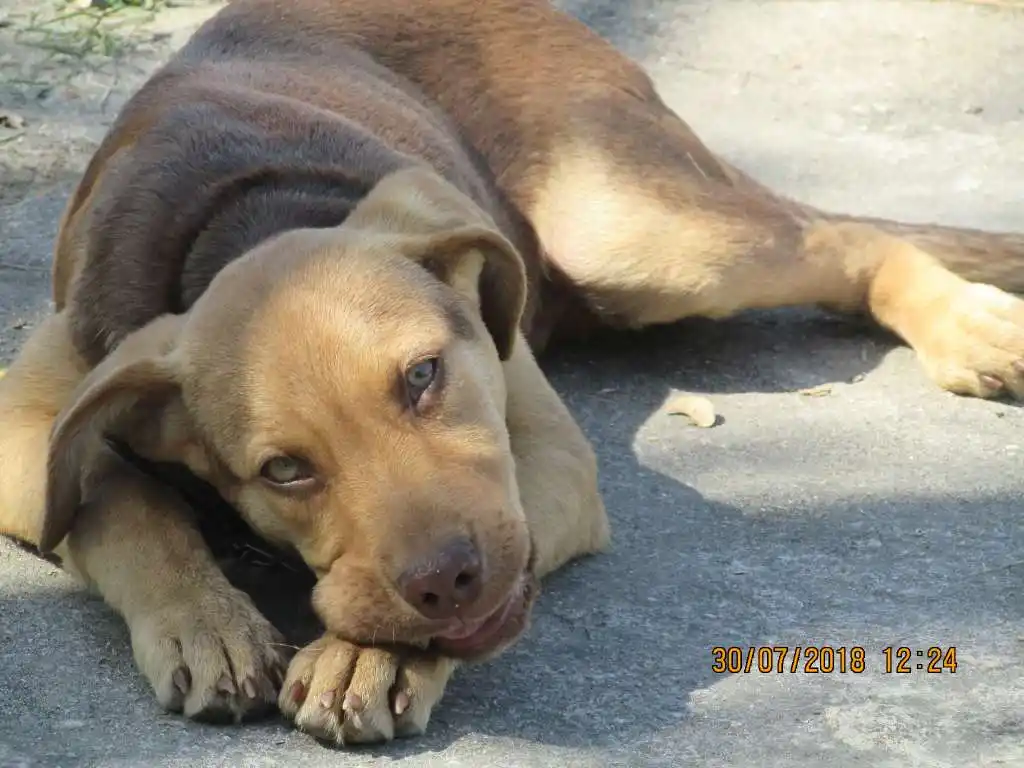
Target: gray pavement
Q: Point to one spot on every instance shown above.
(881, 513)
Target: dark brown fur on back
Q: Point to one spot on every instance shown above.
(234, 141)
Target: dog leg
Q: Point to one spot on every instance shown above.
(202, 644)
(651, 228)
(556, 469)
(35, 389)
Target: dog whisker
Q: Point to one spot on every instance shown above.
(283, 645)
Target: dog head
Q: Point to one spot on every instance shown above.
(343, 389)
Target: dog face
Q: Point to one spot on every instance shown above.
(344, 390)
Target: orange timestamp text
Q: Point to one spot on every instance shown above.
(829, 659)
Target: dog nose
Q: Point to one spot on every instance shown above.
(445, 585)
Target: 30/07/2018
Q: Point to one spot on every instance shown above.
(828, 659)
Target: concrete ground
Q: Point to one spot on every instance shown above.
(879, 513)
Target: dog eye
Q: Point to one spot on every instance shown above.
(420, 377)
(286, 470)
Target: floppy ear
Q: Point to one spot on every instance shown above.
(130, 398)
(435, 224)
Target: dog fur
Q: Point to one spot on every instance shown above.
(311, 199)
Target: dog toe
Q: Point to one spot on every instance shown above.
(310, 696)
(160, 660)
(419, 686)
(216, 660)
(367, 702)
(344, 694)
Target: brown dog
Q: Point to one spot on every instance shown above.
(305, 264)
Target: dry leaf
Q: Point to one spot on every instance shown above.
(699, 409)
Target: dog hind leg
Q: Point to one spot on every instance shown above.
(650, 228)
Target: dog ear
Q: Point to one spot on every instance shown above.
(131, 397)
(437, 225)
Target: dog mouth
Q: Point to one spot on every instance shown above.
(484, 637)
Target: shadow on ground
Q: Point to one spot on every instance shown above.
(621, 646)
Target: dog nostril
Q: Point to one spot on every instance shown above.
(447, 584)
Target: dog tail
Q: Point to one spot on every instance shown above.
(996, 258)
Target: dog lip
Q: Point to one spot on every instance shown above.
(469, 639)
(463, 630)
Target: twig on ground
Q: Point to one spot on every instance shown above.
(97, 29)
(23, 268)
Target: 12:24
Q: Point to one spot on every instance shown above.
(901, 659)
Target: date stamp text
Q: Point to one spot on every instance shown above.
(832, 659)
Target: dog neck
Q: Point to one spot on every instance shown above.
(260, 209)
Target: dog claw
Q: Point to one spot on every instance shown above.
(297, 693)
(249, 687)
(327, 699)
(226, 685)
(991, 381)
(182, 680)
(401, 702)
(353, 703)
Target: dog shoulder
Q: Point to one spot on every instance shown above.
(159, 219)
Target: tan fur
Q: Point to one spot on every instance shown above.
(151, 389)
(488, 189)
(34, 390)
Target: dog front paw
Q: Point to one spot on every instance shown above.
(345, 694)
(214, 658)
